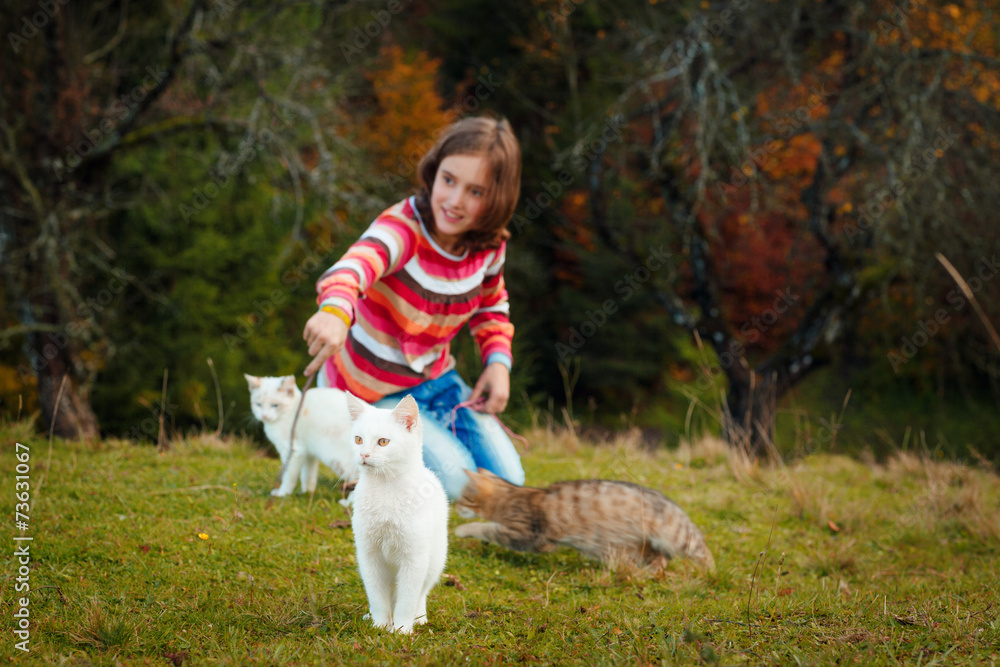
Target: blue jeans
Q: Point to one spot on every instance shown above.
(478, 440)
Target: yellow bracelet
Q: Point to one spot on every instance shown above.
(333, 310)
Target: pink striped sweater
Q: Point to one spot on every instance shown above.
(406, 298)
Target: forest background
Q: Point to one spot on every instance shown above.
(735, 216)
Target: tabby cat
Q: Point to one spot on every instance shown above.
(603, 519)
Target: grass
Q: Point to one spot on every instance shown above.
(184, 558)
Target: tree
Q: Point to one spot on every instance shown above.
(91, 94)
(796, 159)
(817, 127)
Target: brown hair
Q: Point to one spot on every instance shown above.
(495, 141)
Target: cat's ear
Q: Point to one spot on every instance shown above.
(288, 385)
(473, 476)
(407, 412)
(252, 380)
(355, 405)
(480, 483)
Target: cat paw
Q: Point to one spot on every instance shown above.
(467, 530)
(278, 493)
(381, 622)
(404, 629)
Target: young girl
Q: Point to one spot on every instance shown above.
(428, 265)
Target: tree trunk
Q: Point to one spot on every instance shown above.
(74, 418)
(748, 421)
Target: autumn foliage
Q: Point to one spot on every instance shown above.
(408, 110)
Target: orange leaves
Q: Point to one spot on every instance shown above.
(576, 213)
(410, 110)
(959, 28)
(796, 157)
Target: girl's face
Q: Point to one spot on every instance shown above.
(458, 198)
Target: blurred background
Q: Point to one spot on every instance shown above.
(731, 213)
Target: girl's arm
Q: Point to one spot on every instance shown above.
(493, 333)
(384, 247)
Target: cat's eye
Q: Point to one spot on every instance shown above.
(382, 442)
(357, 439)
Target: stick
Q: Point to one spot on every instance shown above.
(753, 576)
(52, 426)
(55, 410)
(967, 291)
(203, 487)
(163, 404)
(291, 437)
(218, 394)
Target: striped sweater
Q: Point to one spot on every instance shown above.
(406, 298)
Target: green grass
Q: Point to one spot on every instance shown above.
(826, 560)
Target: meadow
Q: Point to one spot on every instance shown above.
(181, 557)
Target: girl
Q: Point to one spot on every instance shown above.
(433, 262)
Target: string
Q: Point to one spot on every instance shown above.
(295, 421)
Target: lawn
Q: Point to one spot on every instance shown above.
(182, 557)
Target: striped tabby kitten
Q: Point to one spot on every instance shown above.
(601, 518)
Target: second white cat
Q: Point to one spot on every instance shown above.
(400, 517)
(321, 436)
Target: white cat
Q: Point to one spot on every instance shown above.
(322, 434)
(400, 517)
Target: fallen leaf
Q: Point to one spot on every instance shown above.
(833, 526)
(176, 659)
(452, 580)
(339, 524)
(913, 619)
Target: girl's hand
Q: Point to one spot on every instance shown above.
(495, 384)
(325, 334)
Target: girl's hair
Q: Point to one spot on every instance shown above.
(495, 141)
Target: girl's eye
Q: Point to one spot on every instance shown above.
(477, 193)
(382, 442)
(357, 439)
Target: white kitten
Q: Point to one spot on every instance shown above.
(400, 517)
(322, 434)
